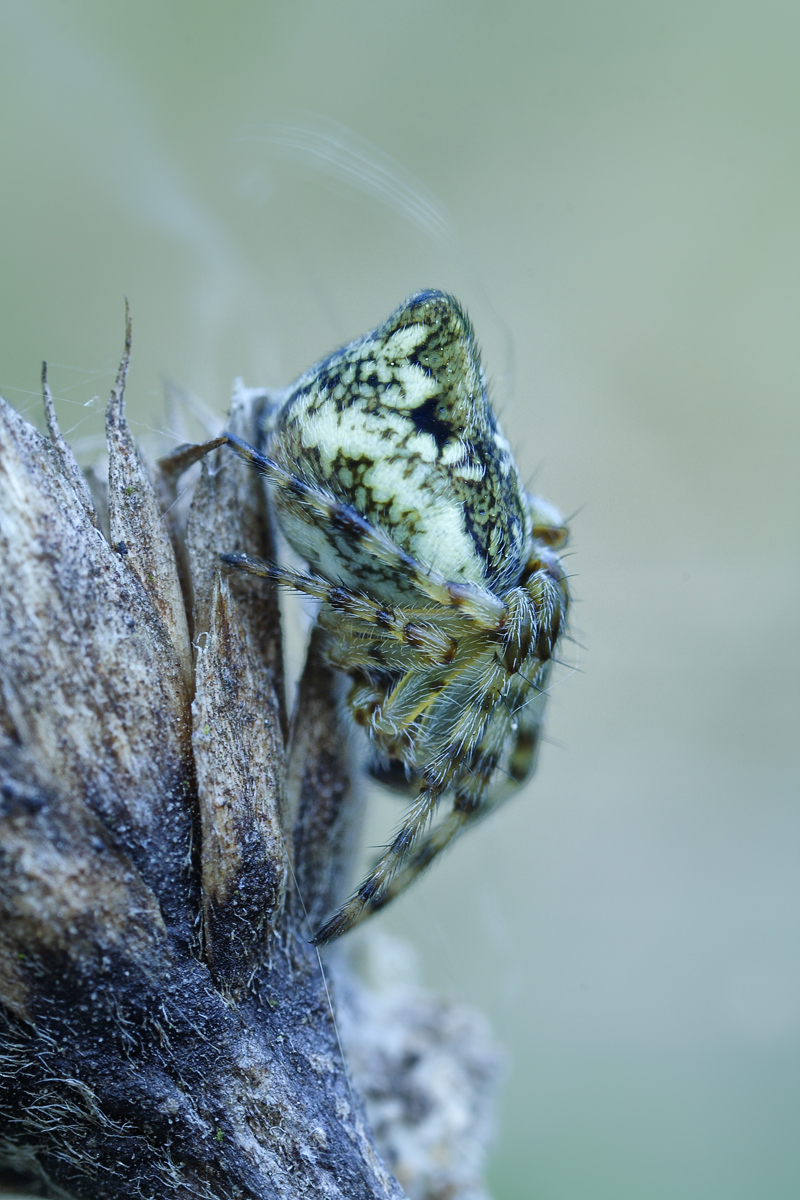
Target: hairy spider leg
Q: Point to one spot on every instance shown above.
(421, 636)
(453, 824)
(529, 716)
(533, 616)
(473, 801)
(468, 728)
(381, 887)
(482, 723)
(389, 710)
(546, 588)
(365, 898)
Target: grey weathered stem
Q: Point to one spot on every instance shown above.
(165, 1028)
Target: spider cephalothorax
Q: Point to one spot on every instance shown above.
(440, 587)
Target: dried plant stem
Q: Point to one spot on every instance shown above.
(165, 1027)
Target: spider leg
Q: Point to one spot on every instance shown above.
(452, 737)
(473, 801)
(424, 636)
(365, 899)
(399, 712)
(429, 848)
(536, 612)
(382, 885)
(516, 757)
(412, 698)
(182, 457)
(401, 863)
(545, 588)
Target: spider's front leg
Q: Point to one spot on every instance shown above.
(412, 850)
(460, 748)
(513, 695)
(370, 895)
(496, 700)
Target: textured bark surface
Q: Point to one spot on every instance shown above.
(165, 1026)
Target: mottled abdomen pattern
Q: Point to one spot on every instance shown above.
(398, 424)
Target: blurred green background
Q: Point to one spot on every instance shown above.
(613, 190)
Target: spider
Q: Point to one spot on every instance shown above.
(438, 577)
